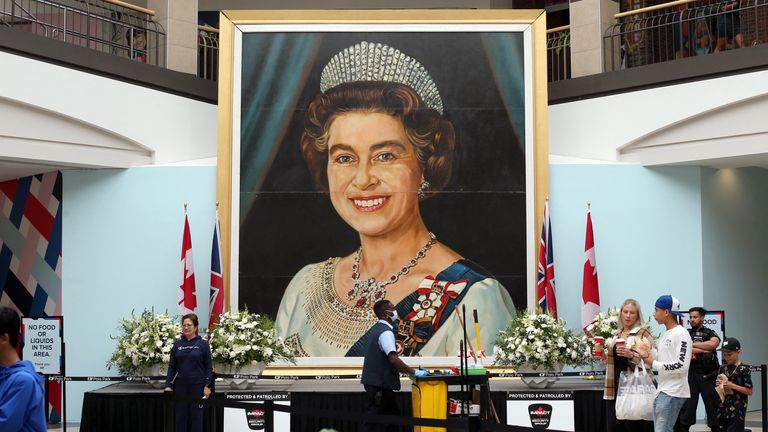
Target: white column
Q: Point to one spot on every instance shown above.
(589, 21)
(179, 19)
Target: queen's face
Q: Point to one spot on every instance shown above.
(373, 173)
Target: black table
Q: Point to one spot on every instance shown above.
(131, 407)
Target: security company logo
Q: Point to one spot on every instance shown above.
(255, 418)
(540, 415)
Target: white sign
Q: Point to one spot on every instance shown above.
(541, 410)
(42, 344)
(243, 420)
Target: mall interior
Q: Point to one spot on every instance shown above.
(115, 117)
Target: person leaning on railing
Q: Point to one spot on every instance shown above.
(728, 25)
(638, 341)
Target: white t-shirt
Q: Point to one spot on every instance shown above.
(673, 360)
(387, 339)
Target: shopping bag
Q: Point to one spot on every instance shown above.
(635, 395)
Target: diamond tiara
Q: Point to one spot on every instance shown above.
(367, 61)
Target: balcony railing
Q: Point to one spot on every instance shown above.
(110, 26)
(207, 52)
(683, 28)
(558, 53)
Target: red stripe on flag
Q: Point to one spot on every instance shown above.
(590, 292)
(188, 293)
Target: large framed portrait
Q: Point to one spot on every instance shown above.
(382, 155)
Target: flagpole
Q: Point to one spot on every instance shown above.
(592, 361)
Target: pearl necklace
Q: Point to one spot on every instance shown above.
(369, 291)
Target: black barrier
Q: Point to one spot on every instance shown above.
(269, 407)
(455, 424)
(472, 423)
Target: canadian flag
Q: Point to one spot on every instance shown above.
(187, 291)
(590, 293)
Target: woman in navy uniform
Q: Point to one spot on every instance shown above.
(189, 374)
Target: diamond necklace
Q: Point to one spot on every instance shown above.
(370, 290)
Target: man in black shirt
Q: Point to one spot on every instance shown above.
(701, 375)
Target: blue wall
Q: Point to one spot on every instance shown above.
(690, 231)
(122, 232)
(647, 234)
(735, 211)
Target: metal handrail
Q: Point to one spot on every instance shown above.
(131, 6)
(558, 53)
(653, 8)
(207, 52)
(559, 29)
(29, 17)
(676, 30)
(111, 26)
(208, 29)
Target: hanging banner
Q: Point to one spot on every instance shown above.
(43, 338)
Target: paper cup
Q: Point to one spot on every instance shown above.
(599, 345)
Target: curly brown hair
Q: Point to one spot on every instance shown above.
(431, 134)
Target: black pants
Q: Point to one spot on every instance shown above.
(731, 425)
(189, 416)
(706, 388)
(615, 425)
(380, 401)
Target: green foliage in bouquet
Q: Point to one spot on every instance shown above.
(539, 340)
(143, 342)
(242, 338)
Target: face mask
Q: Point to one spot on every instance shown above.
(394, 316)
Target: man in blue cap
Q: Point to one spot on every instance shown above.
(672, 360)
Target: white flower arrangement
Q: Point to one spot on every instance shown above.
(538, 340)
(242, 338)
(143, 342)
(605, 324)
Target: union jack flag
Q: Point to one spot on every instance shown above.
(545, 287)
(216, 302)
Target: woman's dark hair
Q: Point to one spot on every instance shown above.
(431, 135)
(192, 317)
(10, 324)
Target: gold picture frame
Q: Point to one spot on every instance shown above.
(531, 22)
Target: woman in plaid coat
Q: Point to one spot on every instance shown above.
(617, 359)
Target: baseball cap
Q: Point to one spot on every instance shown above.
(670, 303)
(731, 344)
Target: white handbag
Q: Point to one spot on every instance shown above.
(635, 394)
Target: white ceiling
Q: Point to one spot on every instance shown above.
(10, 170)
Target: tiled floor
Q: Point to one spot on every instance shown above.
(753, 423)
